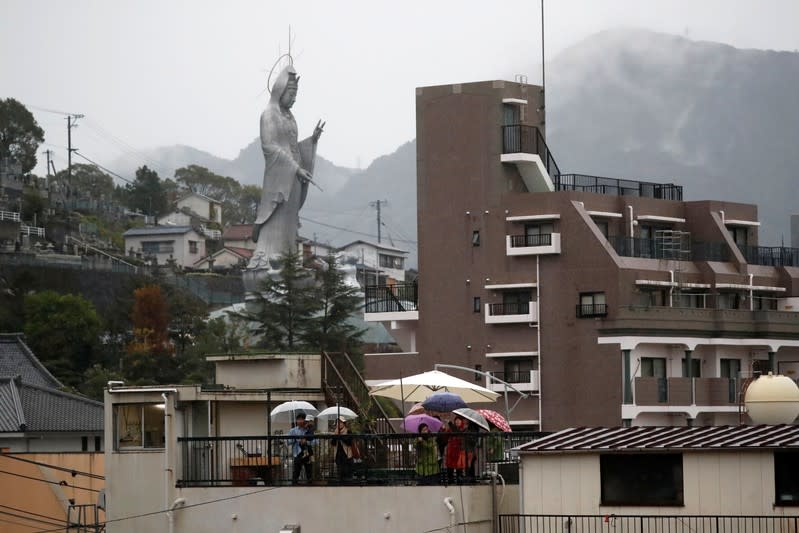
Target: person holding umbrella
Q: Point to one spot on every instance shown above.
(301, 449)
(454, 456)
(346, 450)
(427, 469)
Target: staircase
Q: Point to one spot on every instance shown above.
(343, 384)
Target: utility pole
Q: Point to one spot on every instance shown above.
(72, 121)
(543, 70)
(376, 204)
(48, 153)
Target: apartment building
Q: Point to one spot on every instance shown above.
(600, 300)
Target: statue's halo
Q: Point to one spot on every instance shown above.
(272, 70)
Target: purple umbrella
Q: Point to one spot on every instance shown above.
(443, 402)
(412, 423)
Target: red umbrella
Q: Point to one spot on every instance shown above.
(496, 419)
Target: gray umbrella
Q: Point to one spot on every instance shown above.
(474, 416)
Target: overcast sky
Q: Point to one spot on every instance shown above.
(159, 72)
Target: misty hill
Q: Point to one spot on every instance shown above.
(634, 104)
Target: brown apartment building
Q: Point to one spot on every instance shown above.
(607, 301)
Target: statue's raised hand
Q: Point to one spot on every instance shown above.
(317, 132)
(304, 176)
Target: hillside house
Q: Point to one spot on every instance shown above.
(183, 244)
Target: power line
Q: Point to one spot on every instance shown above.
(101, 167)
(352, 230)
(54, 467)
(17, 523)
(61, 483)
(51, 522)
(30, 513)
(49, 110)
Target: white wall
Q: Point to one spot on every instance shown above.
(202, 207)
(369, 255)
(301, 371)
(180, 244)
(726, 483)
(175, 219)
(241, 419)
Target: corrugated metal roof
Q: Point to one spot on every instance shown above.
(157, 230)
(650, 438)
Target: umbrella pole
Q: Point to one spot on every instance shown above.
(402, 394)
(269, 429)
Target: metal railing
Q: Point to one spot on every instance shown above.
(361, 459)
(518, 138)
(396, 298)
(771, 255)
(617, 187)
(518, 523)
(9, 215)
(523, 241)
(591, 310)
(24, 229)
(510, 308)
(514, 376)
(654, 249)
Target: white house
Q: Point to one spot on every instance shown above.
(378, 259)
(227, 257)
(201, 205)
(668, 478)
(181, 243)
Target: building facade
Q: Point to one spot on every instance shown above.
(600, 301)
(182, 244)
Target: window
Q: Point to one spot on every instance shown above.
(139, 426)
(516, 302)
(592, 304)
(729, 300)
(641, 479)
(518, 370)
(97, 444)
(603, 227)
(84, 444)
(696, 368)
(694, 300)
(476, 238)
(730, 368)
(391, 261)
(653, 297)
(538, 234)
(653, 367)
(739, 235)
(478, 377)
(157, 247)
(786, 482)
(476, 304)
(192, 247)
(510, 114)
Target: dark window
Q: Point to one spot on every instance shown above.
(739, 235)
(475, 238)
(603, 227)
(192, 247)
(653, 297)
(516, 302)
(139, 426)
(786, 465)
(84, 444)
(641, 479)
(97, 444)
(391, 261)
(477, 376)
(476, 304)
(538, 234)
(510, 114)
(518, 370)
(729, 300)
(653, 367)
(696, 368)
(592, 304)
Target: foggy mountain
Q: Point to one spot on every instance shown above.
(633, 104)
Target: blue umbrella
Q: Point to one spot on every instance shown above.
(443, 402)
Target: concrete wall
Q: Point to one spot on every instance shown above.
(300, 371)
(240, 419)
(322, 509)
(52, 442)
(180, 244)
(48, 499)
(202, 207)
(731, 483)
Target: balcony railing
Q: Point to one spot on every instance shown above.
(9, 215)
(778, 256)
(518, 138)
(591, 310)
(617, 187)
(654, 249)
(523, 380)
(379, 460)
(518, 523)
(540, 239)
(397, 298)
(512, 308)
(650, 391)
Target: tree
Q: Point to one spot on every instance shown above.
(87, 180)
(239, 204)
(20, 135)
(332, 329)
(146, 193)
(62, 330)
(33, 206)
(247, 204)
(285, 306)
(187, 314)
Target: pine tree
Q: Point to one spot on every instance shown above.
(285, 306)
(332, 328)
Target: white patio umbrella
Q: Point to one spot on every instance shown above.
(418, 387)
(286, 411)
(331, 413)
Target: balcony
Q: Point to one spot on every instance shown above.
(617, 187)
(522, 380)
(511, 313)
(11, 216)
(541, 244)
(644, 523)
(592, 310)
(391, 302)
(654, 249)
(525, 147)
(707, 392)
(388, 459)
(776, 256)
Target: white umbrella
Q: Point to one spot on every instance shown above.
(286, 411)
(331, 413)
(417, 388)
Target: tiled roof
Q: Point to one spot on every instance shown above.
(651, 438)
(237, 232)
(29, 408)
(157, 230)
(379, 246)
(243, 252)
(16, 359)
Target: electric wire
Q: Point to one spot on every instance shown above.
(101, 167)
(55, 519)
(17, 523)
(353, 231)
(51, 522)
(54, 467)
(61, 483)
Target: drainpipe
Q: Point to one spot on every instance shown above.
(538, 333)
(721, 213)
(632, 222)
(179, 502)
(751, 293)
(451, 508)
(671, 288)
(167, 462)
